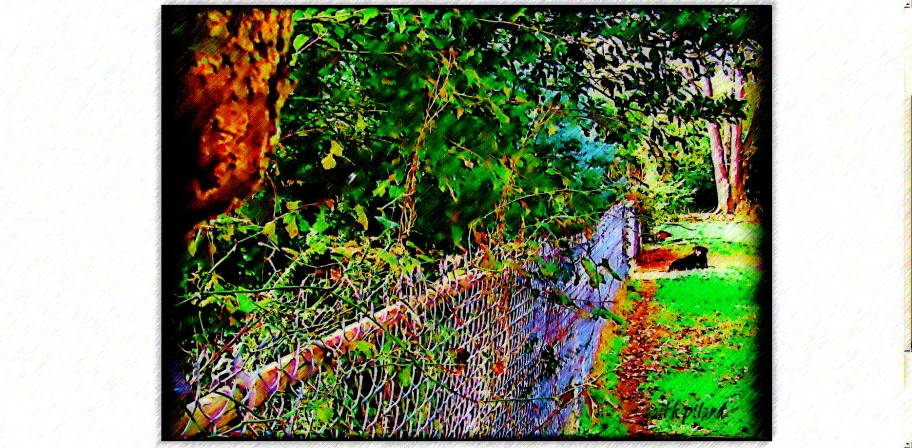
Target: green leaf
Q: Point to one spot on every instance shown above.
(605, 313)
(332, 42)
(270, 230)
(457, 232)
(471, 77)
(605, 265)
(291, 225)
(399, 18)
(324, 412)
(347, 252)
(388, 257)
(319, 246)
(595, 278)
(405, 376)
(335, 148)
(498, 112)
(363, 348)
(387, 224)
(328, 162)
(191, 248)
(299, 41)
(307, 14)
(520, 13)
(598, 396)
(362, 217)
(548, 269)
(320, 225)
(245, 304)
(303, 225)
(368, 14)
(561, 298)
(381, 187)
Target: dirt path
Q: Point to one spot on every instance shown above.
(638, 359)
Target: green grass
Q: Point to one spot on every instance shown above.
(723, 293)
(711, 314)
(705, 385)
(605, 419)
(721, 238)
(729, 232)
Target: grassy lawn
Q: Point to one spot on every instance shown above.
(698, 379)
(706, 386)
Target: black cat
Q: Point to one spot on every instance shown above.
(696, 260)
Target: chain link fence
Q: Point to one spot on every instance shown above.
(476, 353)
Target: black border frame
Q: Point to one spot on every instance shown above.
(763, 160)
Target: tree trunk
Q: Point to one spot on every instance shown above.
(726, 132)
(717, 152)
(225, 78)
(720, 173)
(736, 178)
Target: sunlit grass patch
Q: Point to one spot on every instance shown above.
(707, 385)
(728, 232)
(724, 239)
(728, 293)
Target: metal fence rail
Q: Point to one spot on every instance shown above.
(477, 354)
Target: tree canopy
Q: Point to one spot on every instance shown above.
(450, 114)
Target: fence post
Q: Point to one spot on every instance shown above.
(631, 231)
